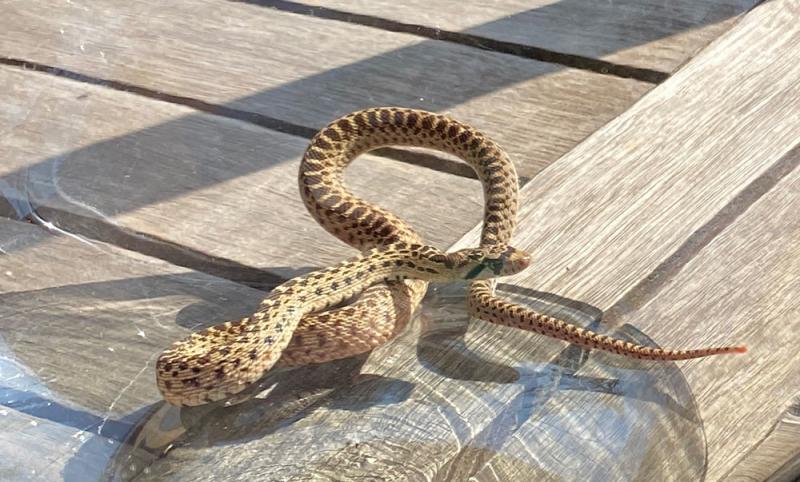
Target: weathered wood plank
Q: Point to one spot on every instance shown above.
(740, 287)
(649, 34)
(306, 71)
(743, 286)
(609, 212)
(777, 456)
(629, 204)
(80, 326)
(219, 186)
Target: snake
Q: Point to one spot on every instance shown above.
(302, 321)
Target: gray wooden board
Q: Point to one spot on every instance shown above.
(741, 288)
(307, 71)
(777, 456)
(649, 34)
(80, 326)
(618, 223)
(744, 287)
(216, 185)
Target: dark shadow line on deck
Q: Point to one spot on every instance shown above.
(469, 40)
(430, 161)
(156, 247)
(197, 104)
(649, 287)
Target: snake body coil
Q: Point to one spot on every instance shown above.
(391, 276)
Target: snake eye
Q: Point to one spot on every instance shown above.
(475, 256)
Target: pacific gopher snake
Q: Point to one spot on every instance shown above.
(392, 275)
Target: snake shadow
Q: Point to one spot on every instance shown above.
(446, 331)
(443, 348)
(280, 399)
(285, 396)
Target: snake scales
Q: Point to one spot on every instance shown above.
(291, 327)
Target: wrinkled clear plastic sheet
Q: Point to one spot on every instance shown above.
(81, 324)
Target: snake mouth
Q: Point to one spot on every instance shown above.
(510, 262)
(520, 262)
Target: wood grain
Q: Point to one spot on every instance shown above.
(777, 457)
(742, 287)
(218, 186)
(609, 212)
(306, 71)
(649, 34)
(629, 204)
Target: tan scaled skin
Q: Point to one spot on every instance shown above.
(222, 360)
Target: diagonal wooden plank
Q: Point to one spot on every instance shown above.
(655, 179)
(649, 34)
(777, 457)
(742, 286)
(732, 124)
(222, 187)
(497, 404)
(302, 71)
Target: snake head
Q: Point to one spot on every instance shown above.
(473, 264)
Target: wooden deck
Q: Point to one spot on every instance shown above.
(148, 188)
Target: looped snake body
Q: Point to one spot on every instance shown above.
(391, 276)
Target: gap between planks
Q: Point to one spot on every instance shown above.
(540, 54)
(420, 159)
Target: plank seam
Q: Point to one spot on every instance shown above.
(529, 52)
(426, 160)
(150, 245)
(791, 467)
(650, 285)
